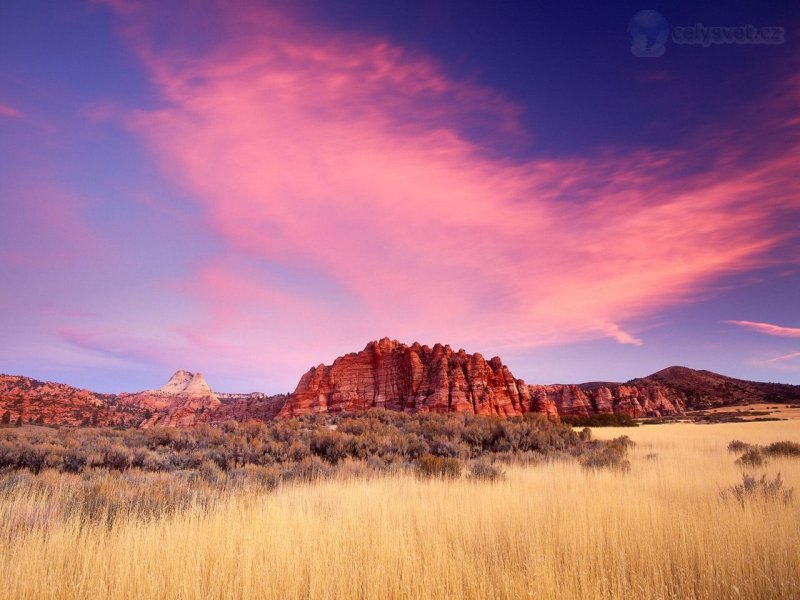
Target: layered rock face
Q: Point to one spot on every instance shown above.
(244, 407)
(394, 376)
(640, 400)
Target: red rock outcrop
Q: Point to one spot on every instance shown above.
(246, 407)
(391, 375)
(645, 399)
(32, 401)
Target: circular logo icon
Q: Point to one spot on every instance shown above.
(648, 32)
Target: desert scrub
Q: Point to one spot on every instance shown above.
(377, 437)
(485, 470)
(783, 448)
(753, 457)
(607, 455)
(763, 489)
(438, 466)
(737, 446)
(601, 420)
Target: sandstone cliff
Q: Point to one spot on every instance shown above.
(394, 376)
(645, 399)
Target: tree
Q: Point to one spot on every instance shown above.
(18, 422)
(6, 420)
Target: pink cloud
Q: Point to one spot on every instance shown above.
(794, 356)
(768, 328)
(9, 111)
(345, 157)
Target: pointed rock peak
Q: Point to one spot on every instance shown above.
(197, 385)
(178, 382)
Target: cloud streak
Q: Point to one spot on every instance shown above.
(769, 328)
(10, 112)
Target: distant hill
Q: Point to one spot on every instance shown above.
(704, 388)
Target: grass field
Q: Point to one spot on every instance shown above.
(554, 530)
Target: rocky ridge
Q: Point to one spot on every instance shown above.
(389, 375)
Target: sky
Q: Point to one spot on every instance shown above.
(248, 189)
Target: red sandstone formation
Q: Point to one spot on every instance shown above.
(394, 376)
(640, 400)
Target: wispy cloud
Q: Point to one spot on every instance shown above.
(9, 111)
(768, 328)
(345, 164)
(794, 356)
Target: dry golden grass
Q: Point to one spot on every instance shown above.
(548, 531)
(781, 411)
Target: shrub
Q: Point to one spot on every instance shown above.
(783, 449)
(624, 441)
(438, 466)
(486, 470)
(329, 445)
(600, 420)
(753, 457)
(73, 461)
(752, 489)
(608, 455)
(311, 468)
(117, 458)
(737, 446)
(444, 448)
(32, 457)
(261, 476)
(209, 471)
(585, 434)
